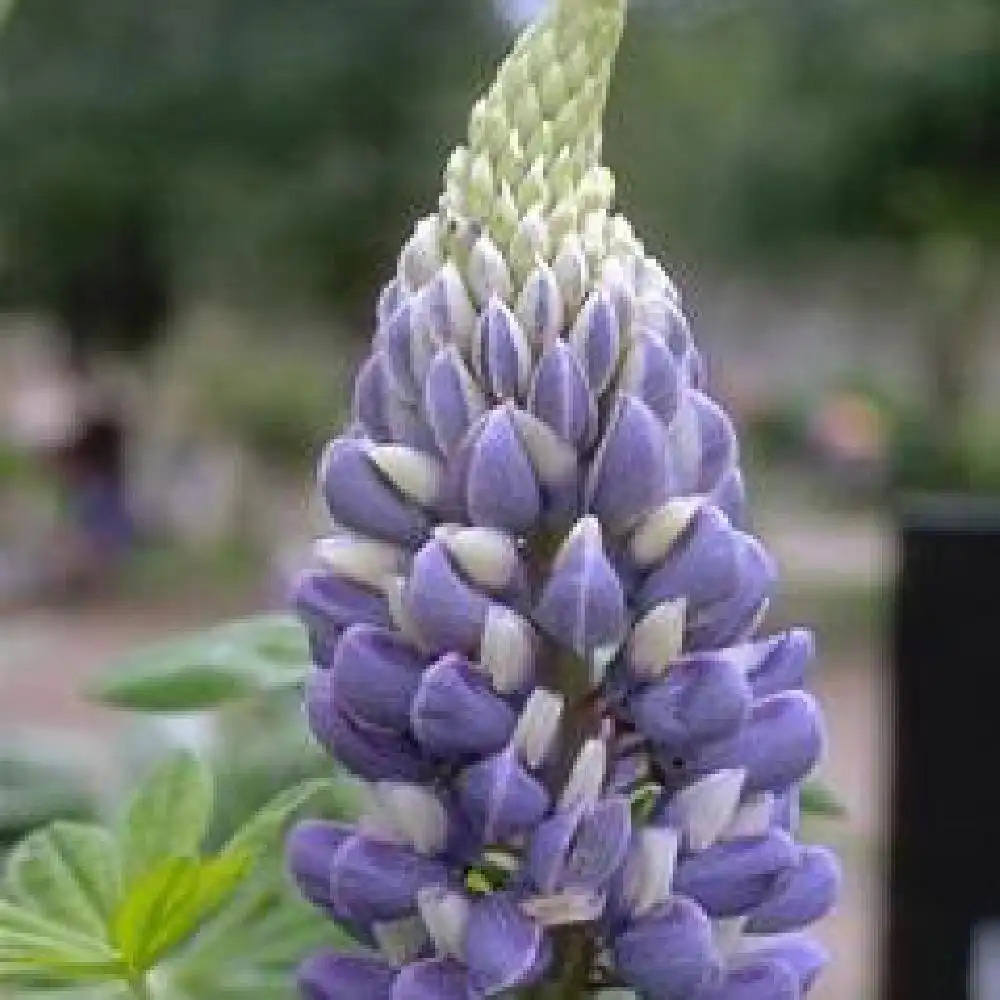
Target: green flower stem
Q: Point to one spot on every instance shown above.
(139, 988)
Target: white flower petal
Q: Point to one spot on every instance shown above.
(537, 726)
(707, 807)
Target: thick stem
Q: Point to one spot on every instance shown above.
(576, 970)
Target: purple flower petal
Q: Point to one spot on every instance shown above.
(433, 979)
(802, 895)
(449, 615)
(500, 798)
(730, 496)
(561, 397)
(670, 954)
(732, 876)
(376, 674)
(501, 354)
(455, 714)
(600, 844)
(502, 488)
(582, 604)
(731, 620)
(452, 400)
(784, 663)
(328, 604)
(702, 566)
(549, 847)
(802, 955)
(723, 574)
(703, 697)
(370, 752)
(779, 745)
(502, 945)
(371, 880)
(628, 478)
(652, 374)
(719, 451)
(329, 975)
(397, 339)
(309, 851)
(361, 499)
(596, 339)
(373, 392)
(756, 979)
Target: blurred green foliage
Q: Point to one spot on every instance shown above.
(270, 150)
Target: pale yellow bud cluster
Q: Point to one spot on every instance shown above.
(527, 189)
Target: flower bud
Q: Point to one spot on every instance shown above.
(778, 746)
(421, 256)
(570, 267)
(376, 675)
(628, 476)
(669, 952)
(455, 715)
(702, 698)
(582, 604)
(500, 797)
(540, 307)
(489, 276)
(595, 338)
(561, 396)
(650, 373)
(330, 975)
(447, 613)
(803, 894)
(502, 488)
(501, 355)
(503, 947)
(452, 400)
(359, 498)
(733, 876)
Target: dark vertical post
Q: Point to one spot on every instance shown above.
(945, 836)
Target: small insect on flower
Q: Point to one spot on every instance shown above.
(535, 622)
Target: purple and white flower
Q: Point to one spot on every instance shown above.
(535, 621)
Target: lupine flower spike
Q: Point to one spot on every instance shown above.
(535, 623)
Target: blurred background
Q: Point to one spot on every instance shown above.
(200, 200)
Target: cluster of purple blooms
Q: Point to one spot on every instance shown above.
(535, 638)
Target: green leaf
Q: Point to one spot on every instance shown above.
(167, 905)
(258, 939)
(168, 816)
(37, 950)
(267, 823)
(68, 873)
(226, 663)
(818, 799)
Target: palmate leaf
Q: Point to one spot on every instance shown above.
(85, 907)
(68, 873)
(35, 950)
(168, 904)
(168, 816)
(210, 668)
